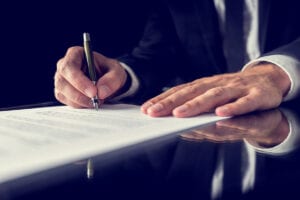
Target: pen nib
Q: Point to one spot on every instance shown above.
(96, 106)
(95, 102)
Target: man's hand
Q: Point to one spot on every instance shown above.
(256, 88)
(74, 88)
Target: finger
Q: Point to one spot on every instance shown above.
(111, 81)
(61, 98)
(242, 123)
(207, 101)
(192, 136)
(70, 68)
(165, 106)
(243, 105)
(160, 97)
(258, 98)
(69, 95)
(191, 89)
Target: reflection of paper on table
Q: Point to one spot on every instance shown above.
(36, 139)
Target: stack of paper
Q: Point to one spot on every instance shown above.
(32, 140)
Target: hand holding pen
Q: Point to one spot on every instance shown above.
(91, 66)
(74, 88)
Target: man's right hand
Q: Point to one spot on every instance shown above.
(74, 88)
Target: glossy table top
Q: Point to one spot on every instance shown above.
(255, 156)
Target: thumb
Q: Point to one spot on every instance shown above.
(112, 80)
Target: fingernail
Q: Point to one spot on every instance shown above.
(89, 92)
(104, 92)
(145, 106)
(155, 108)
(181, 109)
(223, 111)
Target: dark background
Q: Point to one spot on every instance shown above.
(34, 35)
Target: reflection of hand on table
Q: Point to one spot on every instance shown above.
(263, 129)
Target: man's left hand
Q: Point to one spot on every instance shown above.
(256, 88)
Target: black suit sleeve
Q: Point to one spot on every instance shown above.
(156, 59)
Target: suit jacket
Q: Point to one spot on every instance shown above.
(182, 41)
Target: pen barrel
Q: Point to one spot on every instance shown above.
(89, 57)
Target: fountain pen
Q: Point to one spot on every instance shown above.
(90, 63)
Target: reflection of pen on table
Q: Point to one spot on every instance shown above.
(90, 63)
(89, 169)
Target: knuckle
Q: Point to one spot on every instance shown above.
(175, 89)
(258, 91)
(180, 87)
(220, 77)
(216, 92)
(59, 82)
(67, 71)
(168, 102)
(71, 59)
(77, 98)
(73, 50)
(62, 66)
(55, 77)
(59, 63)
(193, 105)
(71, 74)
(58, 96)
(237, 80)
(193, 89)
(249, 100)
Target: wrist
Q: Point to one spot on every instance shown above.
(274, 73)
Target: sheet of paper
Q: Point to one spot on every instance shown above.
(32, 140)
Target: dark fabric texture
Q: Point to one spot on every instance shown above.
(182, 41)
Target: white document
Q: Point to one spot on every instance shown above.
(33, 140)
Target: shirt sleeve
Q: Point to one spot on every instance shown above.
(289, 65)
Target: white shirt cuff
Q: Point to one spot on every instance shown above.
(135, 83)
(290, 65)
